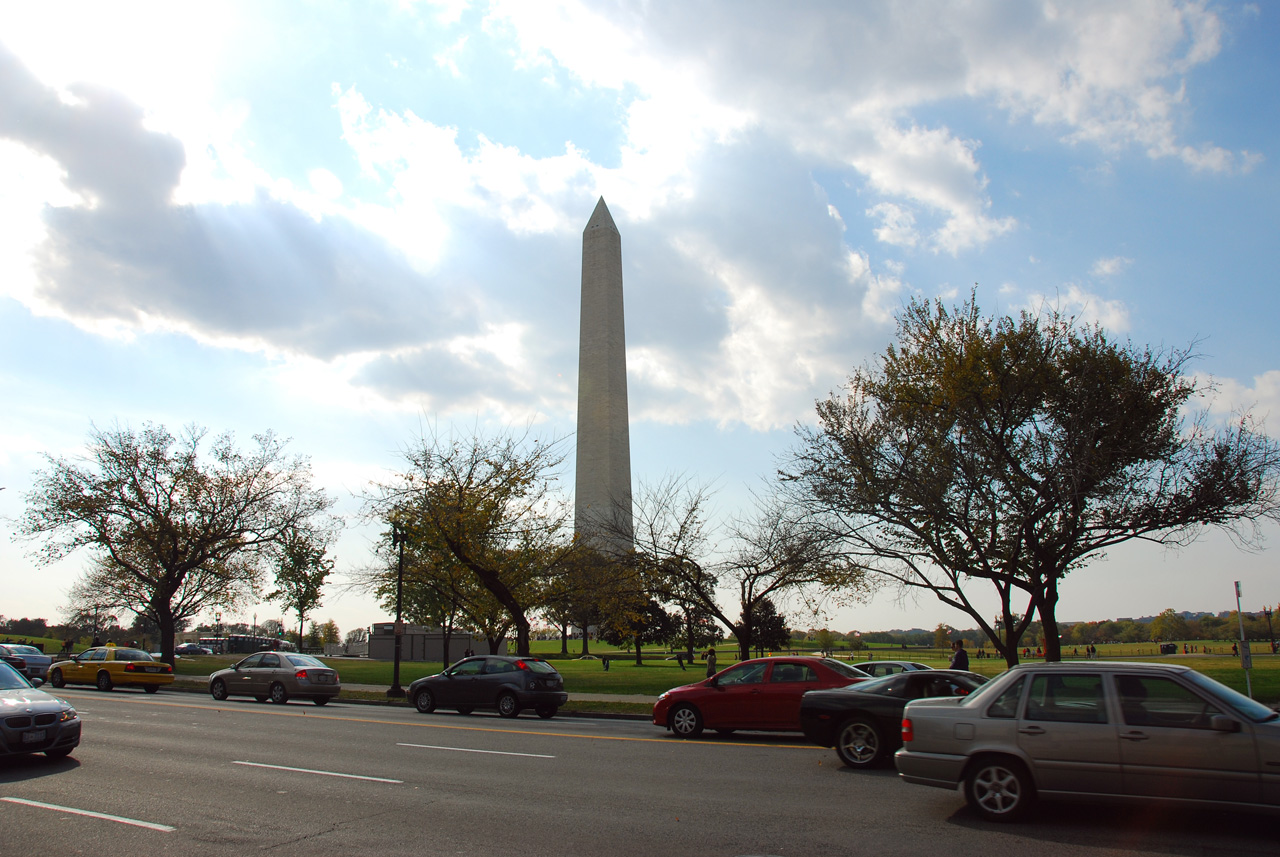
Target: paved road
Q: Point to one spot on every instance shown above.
(237, 778)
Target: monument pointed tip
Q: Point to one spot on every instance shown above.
(601, 218)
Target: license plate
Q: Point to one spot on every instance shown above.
(324, 679)
(152, 669)
(33, 737)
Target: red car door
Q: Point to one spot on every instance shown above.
(736, 700)
(786, 683)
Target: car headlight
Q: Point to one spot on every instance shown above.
(69, 714)
(663, 695)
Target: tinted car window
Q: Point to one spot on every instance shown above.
(304, 661)
(497, 666)
(132, 655)
(541, 667)
(1066, 699)
(251, 662)
(270, 662)
(792, 672)
(95, 655)
(887, 685)
(742, 674)
(1006, 704)
(1156, 701)
(472, 667)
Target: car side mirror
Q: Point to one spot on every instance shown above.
(36, 681)
(1223, 723)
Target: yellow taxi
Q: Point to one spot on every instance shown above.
(112, 666)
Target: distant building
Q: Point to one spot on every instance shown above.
(425, 644)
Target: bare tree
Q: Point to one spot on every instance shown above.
(159, 508)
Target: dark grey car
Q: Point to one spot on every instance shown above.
(32, 721)
(1116, 731)
(507, 684)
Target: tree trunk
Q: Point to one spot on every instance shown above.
(586, 647)
(564, 638)
(164, 618)
(639, 660)
(1047, 608)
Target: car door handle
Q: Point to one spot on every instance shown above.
(1031, 730)
(1134, 736)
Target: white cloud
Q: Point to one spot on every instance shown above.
(1111, 266)
(1233, 397)
(1086, 307)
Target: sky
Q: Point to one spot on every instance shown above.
(356, 223)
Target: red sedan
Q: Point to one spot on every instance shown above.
(760, 694)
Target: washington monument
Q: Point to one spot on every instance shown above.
(602, 501)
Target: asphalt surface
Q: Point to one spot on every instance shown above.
(180, 774)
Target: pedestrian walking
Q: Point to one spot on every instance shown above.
(959, 657)
(711, 662)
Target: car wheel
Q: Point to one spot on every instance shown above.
(425, 701)
(858, 744)
(278, 694)
(685, 722)
(999, 789)
(320, 700)
(60, 753)
(55, 679)
(104, 681)
(546, 712)
(151, 688)
(218, 690)
(465, 709)
(508, 706)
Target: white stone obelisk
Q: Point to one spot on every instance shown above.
(602, 501)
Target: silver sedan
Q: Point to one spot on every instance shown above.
(277, 676)
(1116, 731)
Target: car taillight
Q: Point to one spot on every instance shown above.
(300, 674)
(522, 665)
(908, 732)
(128, 668)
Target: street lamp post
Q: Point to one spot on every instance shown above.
(397, 540)
(222, 648)
(1266, 611)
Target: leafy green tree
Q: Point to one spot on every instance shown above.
(769, 627)
(155, 509)
(301, 569)
(1170, 626)
(487, 502)
(638, 626)
(1012, 451)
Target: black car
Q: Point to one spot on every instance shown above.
(864, 721)
(492, 681)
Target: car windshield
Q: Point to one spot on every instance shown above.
(11, 679)
(844, 669)
(132, 655)
(540, 667)
(305, 661)
(24, 650)
(1255, 711)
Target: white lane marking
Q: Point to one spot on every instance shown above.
(468, 750)
(164, 828)
(321, 773)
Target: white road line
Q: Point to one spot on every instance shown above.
(164, 828)
(468, 750)
(321, 773)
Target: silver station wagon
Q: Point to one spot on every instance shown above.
(1115, 731)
